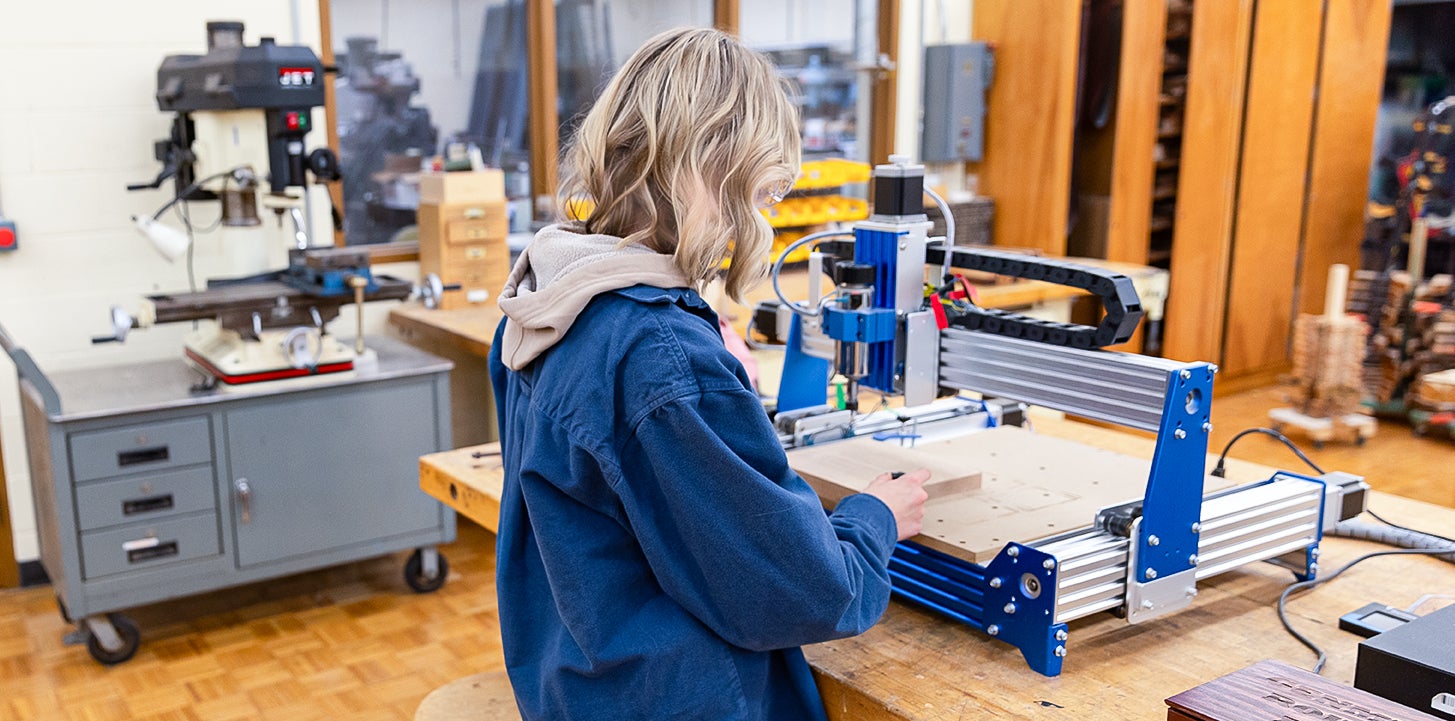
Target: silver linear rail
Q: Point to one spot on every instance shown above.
(1120, 388)
(1239, 526)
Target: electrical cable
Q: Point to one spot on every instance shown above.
(1392, 524)
(1309, 584)
(949, 229)
(778, 268)
(1219, 471)
(182, 195)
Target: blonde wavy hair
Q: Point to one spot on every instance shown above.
(680, 148)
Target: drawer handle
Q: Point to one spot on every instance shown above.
(146, 505)
(244, 498)
(152, 552)
(143, 455)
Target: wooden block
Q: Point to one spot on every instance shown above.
(469, 480)
(836, 470)
(1273, 690)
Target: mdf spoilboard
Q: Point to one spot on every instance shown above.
(836, 470)
(1032, 487)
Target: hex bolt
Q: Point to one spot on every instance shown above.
(1213, 369)
(1013, 551)
(1154, 541)
(993, 630)
(1147, 604)
(1179, 434)
(1191, 591)
(995, 582)
(1313, 567)
(1061, 635)
(1192, 560)
(1049, 564)
(1313, 553)
(1060, 652)
(1151, 573)
(1207, 428)
(1010, 609)
(1186, 374)
(1196, 527)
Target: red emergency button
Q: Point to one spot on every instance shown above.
(291, 120)
(7, 237)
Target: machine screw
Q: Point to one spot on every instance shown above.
(1010, 609)
(1013, 551)
(1049, 564)
(1154, 541)
(1186, 374)
(1207, 428)
(993, 630)
(1192, 560)
(1191, 591)
(1147, 604)
(1313, 553)
(1061, 635)
(903, 245)
(1179, 434)
(1196, 527)
(995, 583)
(1213, 369)
(1313, 567)
(1060, 652)
(1151, 573)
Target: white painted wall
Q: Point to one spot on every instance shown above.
(77, 122)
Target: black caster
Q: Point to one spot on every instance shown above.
(417, 580)
(130, 637)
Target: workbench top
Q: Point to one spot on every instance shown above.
(916, 665)
(154, 385)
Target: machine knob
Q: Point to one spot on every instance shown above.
(324, 164)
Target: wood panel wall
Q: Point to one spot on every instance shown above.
(1351, 80)
(1277, 126)
(1139, 88)
(1207, 179)
(1028, 130)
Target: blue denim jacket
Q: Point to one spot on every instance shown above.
(657, 558)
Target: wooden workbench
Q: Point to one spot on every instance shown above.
(915, 665)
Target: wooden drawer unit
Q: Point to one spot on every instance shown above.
(147, 545)
(145, 498)
(138, 448)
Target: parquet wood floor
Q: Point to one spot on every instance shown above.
(351, 642)
(354, 643)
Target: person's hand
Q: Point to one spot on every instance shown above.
(905, 497)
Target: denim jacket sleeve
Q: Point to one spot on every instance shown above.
(740, 540)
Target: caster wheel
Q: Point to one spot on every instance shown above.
(414, 573)
(130, 641)
(65, 615)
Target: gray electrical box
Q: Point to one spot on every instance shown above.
(956, 78)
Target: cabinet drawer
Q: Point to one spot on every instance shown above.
(145, 447)
(147, 545)
(145, 498)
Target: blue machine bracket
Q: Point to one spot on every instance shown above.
(870, 325)
(1012, 599)
(1172, 506)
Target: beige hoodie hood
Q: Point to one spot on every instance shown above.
(561, 270)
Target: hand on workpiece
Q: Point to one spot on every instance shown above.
(905, 495)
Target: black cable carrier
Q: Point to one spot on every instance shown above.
(1118, 297)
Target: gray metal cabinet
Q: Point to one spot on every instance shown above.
(148, 490)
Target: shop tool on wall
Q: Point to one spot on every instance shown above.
(1056, 531)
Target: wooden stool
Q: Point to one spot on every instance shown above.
(482, 697)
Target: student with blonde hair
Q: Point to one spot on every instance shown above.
(656, 557)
